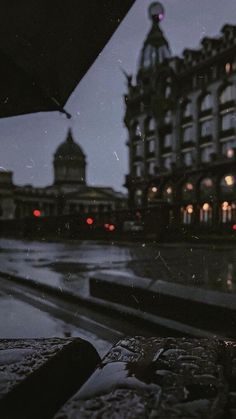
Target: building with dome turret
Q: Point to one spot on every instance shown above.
(69, 193)
(181, 121)
(69, 164)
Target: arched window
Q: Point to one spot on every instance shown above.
(152, 194)
(138, 170)
(152, 168)
(228, 212)
(138, 197)
(206, 214)
(228, 148)
(151, 124)
(168, 117)
(206, 102)
(187, 133)
(167, 162)
(167, 193)
(227, 94)
(187, 214)
(206, 189)
(206, 154)
(187, 110)
(167, 92)
(136, 130)
(206, 128)
(188, 158)
(188, 191)
(227, 185)
(150, 56)
(228, 121)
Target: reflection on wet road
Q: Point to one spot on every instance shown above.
(70, 264)
(21, 320)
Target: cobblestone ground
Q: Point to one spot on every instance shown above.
(160, 378)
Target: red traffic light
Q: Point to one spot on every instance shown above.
(111, 227)
(89, 221)
(37, 213)
(234, 227)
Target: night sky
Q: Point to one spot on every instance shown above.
(28, 142)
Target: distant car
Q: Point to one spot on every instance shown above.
(132, 226)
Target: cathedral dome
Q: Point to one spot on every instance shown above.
(69, 163)
(69, 149)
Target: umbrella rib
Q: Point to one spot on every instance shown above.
(34, 83)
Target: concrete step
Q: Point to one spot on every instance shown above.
(208, 310)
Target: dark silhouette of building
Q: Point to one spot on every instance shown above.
(181, 119)
(69, 193)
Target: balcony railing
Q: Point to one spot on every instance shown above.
(205, 139)
(227, 132)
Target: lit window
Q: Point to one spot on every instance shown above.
(227, 95)
(206, 214)
(187, 214)
(152, 194)
(228, 148)
(187, 134)
(168, 193)
(228, 68)
(228, 212)
(138, 197)
(206, 103)
(228, 121)
(188, 191)
(206, 128)
(227, 185)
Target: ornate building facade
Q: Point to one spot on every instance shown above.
(181, 120)
(69, 193)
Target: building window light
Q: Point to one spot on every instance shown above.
(228, 68)
(230, 153)
(229, 180)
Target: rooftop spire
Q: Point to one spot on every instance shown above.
(156, 48)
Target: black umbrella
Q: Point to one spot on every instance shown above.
(46, 47)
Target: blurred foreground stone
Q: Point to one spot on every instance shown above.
(160, 378)
(38, 376)
(139, 378)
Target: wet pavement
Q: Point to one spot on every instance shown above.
(69, 264)
(21, 320)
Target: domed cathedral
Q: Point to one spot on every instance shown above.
(69, 164)
(69, 193)
(181, 120)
